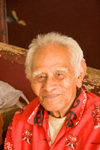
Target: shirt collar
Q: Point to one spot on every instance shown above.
(73, 116)
(77, 109)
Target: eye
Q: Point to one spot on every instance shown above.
(60, 75)
(40, 78)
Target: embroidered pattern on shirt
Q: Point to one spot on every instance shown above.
(71, 115)
(8, 145)
(70, 120)
(78, 92)
(38, 119)
(96, 116)
(27, 136)
(71, 141)
(83, 107)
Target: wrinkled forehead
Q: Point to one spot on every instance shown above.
(51, 54)
(52, 48)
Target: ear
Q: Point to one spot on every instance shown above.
(82, 74)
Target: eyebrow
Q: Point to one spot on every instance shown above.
(36, 74)
(62, 69)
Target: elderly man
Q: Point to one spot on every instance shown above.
(63, 116)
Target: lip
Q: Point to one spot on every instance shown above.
(51, 96)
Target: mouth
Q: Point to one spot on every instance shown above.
(51, 96)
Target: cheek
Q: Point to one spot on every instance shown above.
(68, 88)
(36, 88)
(69, 83)
(66, 84)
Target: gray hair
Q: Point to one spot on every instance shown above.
(55, 38)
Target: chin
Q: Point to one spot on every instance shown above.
(50, 108)
(51, 104)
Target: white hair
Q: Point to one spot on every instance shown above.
(55, 38)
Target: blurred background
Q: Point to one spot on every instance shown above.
(79, 19)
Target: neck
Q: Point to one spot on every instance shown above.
(62, 113)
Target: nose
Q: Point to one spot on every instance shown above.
(50, 84)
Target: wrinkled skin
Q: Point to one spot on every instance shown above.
(53, 79)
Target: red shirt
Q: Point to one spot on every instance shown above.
(81, 130)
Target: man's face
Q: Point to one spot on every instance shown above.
(53, 79)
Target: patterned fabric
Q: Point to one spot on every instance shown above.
(81, 130)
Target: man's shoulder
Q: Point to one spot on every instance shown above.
(25, 112)
(92, 101)
(92, 98)
(20, 119)
(32, 105)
